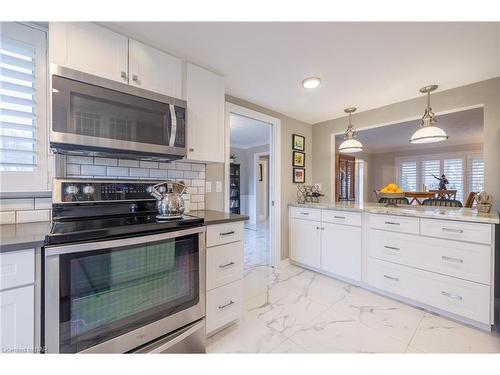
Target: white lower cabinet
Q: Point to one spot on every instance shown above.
(17, 319)
(305, 242)
(224, 275)
(341, 250)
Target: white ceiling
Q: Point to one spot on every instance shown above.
(247, 132)
(463, 128)
(366, 65)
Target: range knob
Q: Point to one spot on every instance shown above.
(71, 189)
(89, 189)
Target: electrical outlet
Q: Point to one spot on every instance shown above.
(208, 186)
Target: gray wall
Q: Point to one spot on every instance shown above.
(485, 93)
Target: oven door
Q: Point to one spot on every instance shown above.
(92, 114)
(117, 295)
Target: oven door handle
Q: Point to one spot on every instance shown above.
(106, 244)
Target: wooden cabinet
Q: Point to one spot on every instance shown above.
(205, 119)
(89, 48)
(341, 250)
(305, 242)
(154, 70)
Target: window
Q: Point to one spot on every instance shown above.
(408, 180)
(23, 135)
(465, 172)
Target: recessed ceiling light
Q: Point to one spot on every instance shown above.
(311, 82)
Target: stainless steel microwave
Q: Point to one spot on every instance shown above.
(97, 116)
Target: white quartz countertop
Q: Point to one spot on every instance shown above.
(445, 213)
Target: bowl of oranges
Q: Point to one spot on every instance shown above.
(391, 191)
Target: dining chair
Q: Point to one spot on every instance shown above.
(470, 199)
(387, 200)
(442, 202)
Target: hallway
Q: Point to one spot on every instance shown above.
(256, 244)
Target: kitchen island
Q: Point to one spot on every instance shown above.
(440, 259)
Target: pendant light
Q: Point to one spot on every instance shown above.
(350, 144)
(428, 132)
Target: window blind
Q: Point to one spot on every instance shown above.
(408, 176)
(18, 135)
(429, 168)
(476, 174)
(454, 171)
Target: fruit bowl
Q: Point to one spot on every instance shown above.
(391, 195)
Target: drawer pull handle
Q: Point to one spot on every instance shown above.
(230, 233)
(392, 248)
(449, 295)
(391, 278)
(392, 223)
(304, 213)
(453, 230)
(339, 217)
(451, 259)
(226, 265)
(221, 307)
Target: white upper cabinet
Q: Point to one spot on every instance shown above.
(205, 119)
(89, 48)
(154, 70)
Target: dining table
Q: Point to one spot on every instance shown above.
(445, 194)
(419, 196)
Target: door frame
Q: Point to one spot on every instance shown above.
(256, 158)
(274, 173)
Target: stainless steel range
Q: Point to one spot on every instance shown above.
(118, 280)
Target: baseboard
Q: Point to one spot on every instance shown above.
(284, 263)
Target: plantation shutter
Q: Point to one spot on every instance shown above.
(408, 175)
(429, 168)
(454, 171)
(476, 173)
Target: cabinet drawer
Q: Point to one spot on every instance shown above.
(224, 264)
(219, 234)
(224, 305)
(465, 298)
(464, 260)
(341, 217)
(395, 223)
(457, 230)
(305, 213)
(17, 268)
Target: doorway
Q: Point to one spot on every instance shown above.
(252, 186)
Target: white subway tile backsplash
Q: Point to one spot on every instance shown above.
(93, 170)
(201, 190)
(195, 198)
(43, 203)
(73, 169)
(32, 216)
(198, 183)
(128, 163)
(163, 165)
(139, 172)
(105, 161)
(117, 171)
(191, 174)
(198, 167)
(148, 164)
(8, 217)
(158, 173)
(201, 175)
(182, 166)
(175, 174)
(71, 159)
(17, 204)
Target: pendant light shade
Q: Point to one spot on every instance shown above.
(428, 132)
(350, 144)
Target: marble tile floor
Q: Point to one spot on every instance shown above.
(257, 251)
(294, 310)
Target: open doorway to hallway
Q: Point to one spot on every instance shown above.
(249, 189)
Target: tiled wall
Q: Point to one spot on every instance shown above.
(24, 210)
(193, 174)
(30, 209)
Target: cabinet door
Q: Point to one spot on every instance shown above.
(17, 318)
(89, 48)
(305, 241)
(205, 119)
(341, 250)
(154, 70)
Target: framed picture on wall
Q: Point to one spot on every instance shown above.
(299, 159)
(298, 142)
(299, 175)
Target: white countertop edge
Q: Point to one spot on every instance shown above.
(443, 213)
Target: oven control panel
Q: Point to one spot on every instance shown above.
(73, 191)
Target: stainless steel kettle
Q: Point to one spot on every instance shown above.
(169, 195)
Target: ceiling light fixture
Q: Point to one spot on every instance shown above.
(311, 82)
(428, 132)
(350, 144)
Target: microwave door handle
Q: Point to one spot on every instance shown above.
(173, 129)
